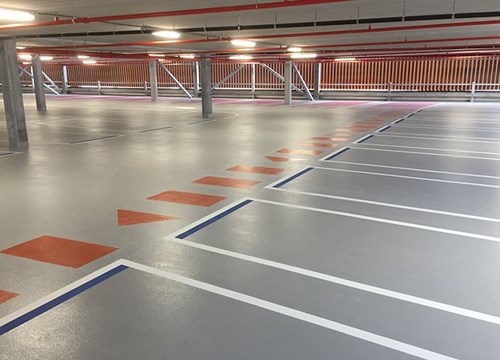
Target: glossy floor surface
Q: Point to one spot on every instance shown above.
(333, 230)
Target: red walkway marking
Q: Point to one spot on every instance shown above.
(277, 158)
(331, 138)
(256, 170)
(6, 296)
(317, 145)
(226, 182)
(126, 217)
(188, 198)
(300, 152)
(59, 251)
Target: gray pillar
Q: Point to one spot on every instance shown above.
(253, 81)
(41, 104)
(206, 87)
(12, 95)
(153, 78)
(196, 79)
(64, 79)
(288, 82)
(32, 80)
(317, 81)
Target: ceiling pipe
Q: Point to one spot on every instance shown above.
(344, 45)
(173, 13)
(290, 35)
(271, 26)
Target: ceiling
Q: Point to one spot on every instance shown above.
(202, 33)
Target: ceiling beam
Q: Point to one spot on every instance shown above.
(369, 29)
(174, 13)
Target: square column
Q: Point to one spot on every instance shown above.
(41, 103)
(153, 78)
(288, 82)
(12, 95)
(206, 87)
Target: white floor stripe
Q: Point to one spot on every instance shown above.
(344, 282)
(412, 208)
(296, 314)
(438, 137)
(431, 154)
(386, 221)
(405, 125)
(412, 169)
(409, 177)
(428, 148)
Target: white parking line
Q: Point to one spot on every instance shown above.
(428, 148)
(409, 177)
(378, 203)
(425, 153)
(385, 221)
(344, 282)
(438, 137)
(412, 169)
(295, 314)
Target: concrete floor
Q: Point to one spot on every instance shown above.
(344, 230)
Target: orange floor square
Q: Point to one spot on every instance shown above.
(59, 251)
(277, 159)
(256, 170)
(300, 151)
(324, 145)
(226, 182)
(188, 198)
(6, 296)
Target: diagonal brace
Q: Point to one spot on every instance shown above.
(175, 80)
(302, 81)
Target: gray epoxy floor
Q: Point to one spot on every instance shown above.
(388, 253)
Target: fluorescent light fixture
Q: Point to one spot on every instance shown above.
(156, 55)
(89, 62)
(167, 34)
(25, 56)
(46, 58)
(346, 59)
(303, 56)
(187, 56)
(294, 49)
(243, 43)
(15, 15)
(20, 47)
(81, 57)
(240, 57)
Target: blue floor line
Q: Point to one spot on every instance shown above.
(212, 220)
(337, 154)
(291, 178)
(59, 300)
(364, 140)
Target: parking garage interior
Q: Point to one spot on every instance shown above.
(293, 179)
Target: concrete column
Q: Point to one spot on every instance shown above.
(288, 82)
(206, 87)
(254, 85)
(196, 79)
(41, 103)
(317, 81)
(12, 95)
(153, 77)
(64, 79)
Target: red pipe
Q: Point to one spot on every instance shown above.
(291, 35)
(212, 10)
